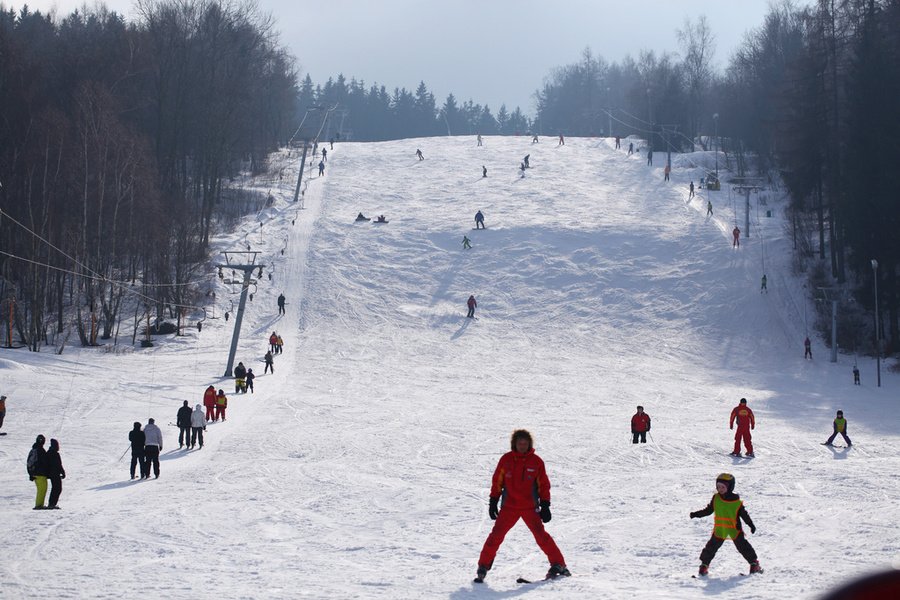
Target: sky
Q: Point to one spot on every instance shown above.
(490, 51)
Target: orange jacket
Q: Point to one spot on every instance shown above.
(744, 417)
(521, 480)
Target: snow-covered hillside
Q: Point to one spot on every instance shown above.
(361, 467)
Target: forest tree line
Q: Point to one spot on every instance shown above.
(118, 140)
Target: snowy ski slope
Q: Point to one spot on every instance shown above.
(361, 468)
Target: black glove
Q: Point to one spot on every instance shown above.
(62, 476)
(493, 510)
(545, 511)
(30, 478)
(753, 529)
(695, 515)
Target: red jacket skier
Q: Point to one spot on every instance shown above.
(746, 422)
(640, 425)
(520, 480)
(209, 401)
(737, 237)
(471, 303)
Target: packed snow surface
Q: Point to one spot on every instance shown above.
(361, 467)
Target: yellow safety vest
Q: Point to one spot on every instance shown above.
(726, 516)
(840, 424)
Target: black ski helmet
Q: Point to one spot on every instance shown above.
(728, 480)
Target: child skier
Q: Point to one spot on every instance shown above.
(840, 426)
(729, 512)
(521, 481)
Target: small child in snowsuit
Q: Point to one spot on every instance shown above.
(840, 427)
(729, 512)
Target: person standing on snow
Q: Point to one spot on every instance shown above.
(746, 421)
(762, 285)
(324, 154)
(221, 405)
(55, 473)
(618, 145)
(281, 302)
(630, 148)
(640, 425)
(520, 479)
(471, 304)
(273, 342)
(467, 243)
(419, 154)
(279, 345)
(250, 378)
(562, 141)
(729, 512)
(483, 171)
(269, 363)
(37, 471)
(650, 157)
(736, 233)
(840, 427)
(153, 446)
(691, 191)
(855, 375)
(240, 378)
(479, 220)
(666, 172)
(807, 348)
(138, 441)
(321, 167)
(209, 401)
(479, 139)
(183, 420)
(198, 426)
(525, 161)
(709, 208)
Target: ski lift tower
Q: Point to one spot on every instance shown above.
(746, 187)
(246, 262)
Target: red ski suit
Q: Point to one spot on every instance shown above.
(209, 401)
(746, 422)
(520, 480)
(640, 422)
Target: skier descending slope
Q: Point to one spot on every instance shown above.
(729, 511)
(521, 481)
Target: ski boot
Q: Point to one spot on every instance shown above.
(558, 571)
(704, 570)
(755, 568)
(738, 454)
(480, 573)
(750, 455)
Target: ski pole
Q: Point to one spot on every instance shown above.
(651, 438)
(123, 454)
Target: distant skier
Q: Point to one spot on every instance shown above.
(273, 341)
(525, 161)
(483, 171)
(250, 378)
(840, 427)
(807, 345)
(691, 191)
(209, 401)
(467, 243)
(479, 139)
(745, 421)
(419, 154)
(281, 304)
(522, 168)
(520, 479)
(855, 375)
(630, 148)
(709, 208)
(618, 144)
(729, 512)
(562, 141)
(762, 285)
(331, 144)
(321, 167)
(324, 155)
(37, 470)
(153, 445)
(55, 473)
(240, 379)
(221, 405)
(534, 139)
(640, 425)
(138, 441)
(279, 345)
(198, 426)
(649, 157)
(270, 364)
(183, 420)
(471, 303)
(666, 172)
(736, 234)
(479, 220)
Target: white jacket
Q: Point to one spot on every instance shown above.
(153, 435)
(198, 418)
